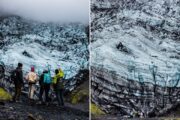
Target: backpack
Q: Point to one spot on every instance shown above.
(31, 77)
(47, 78)
(2, 71)
(13, 75)
(60, 84)
(41, 80)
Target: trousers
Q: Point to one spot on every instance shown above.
(17, 92)
(31, 90)
(59, 95)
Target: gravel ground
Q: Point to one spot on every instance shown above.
(112, 117)
(25, 111)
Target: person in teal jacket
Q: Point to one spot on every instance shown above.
(47, 83)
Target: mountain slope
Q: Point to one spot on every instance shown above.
(135, 54)
(42, 44)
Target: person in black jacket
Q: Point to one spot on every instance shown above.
(18, 81)
(41, 86)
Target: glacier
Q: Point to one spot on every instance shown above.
(43, 45)
(134, 52)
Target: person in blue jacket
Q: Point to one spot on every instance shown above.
(47, 83)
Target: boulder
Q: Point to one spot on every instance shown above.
(81, 94)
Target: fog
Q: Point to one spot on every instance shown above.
(48, 10)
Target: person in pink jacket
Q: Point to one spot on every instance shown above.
(31, 77)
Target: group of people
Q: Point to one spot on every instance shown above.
(45, 81)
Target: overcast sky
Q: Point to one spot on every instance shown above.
(48, 10)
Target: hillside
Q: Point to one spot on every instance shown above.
(135, 56)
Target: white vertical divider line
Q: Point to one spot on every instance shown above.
(89, 46)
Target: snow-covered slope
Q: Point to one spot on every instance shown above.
(139, 34)
(135, 55)
(42, 44)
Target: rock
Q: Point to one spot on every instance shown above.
(11, 117)
(11, 108)
(2, 103)
(39, 117)
(31, 117)
(25, 53)
(80, 94)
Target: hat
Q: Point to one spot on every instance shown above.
(32, 69)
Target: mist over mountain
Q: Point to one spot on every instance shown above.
(48, 11)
